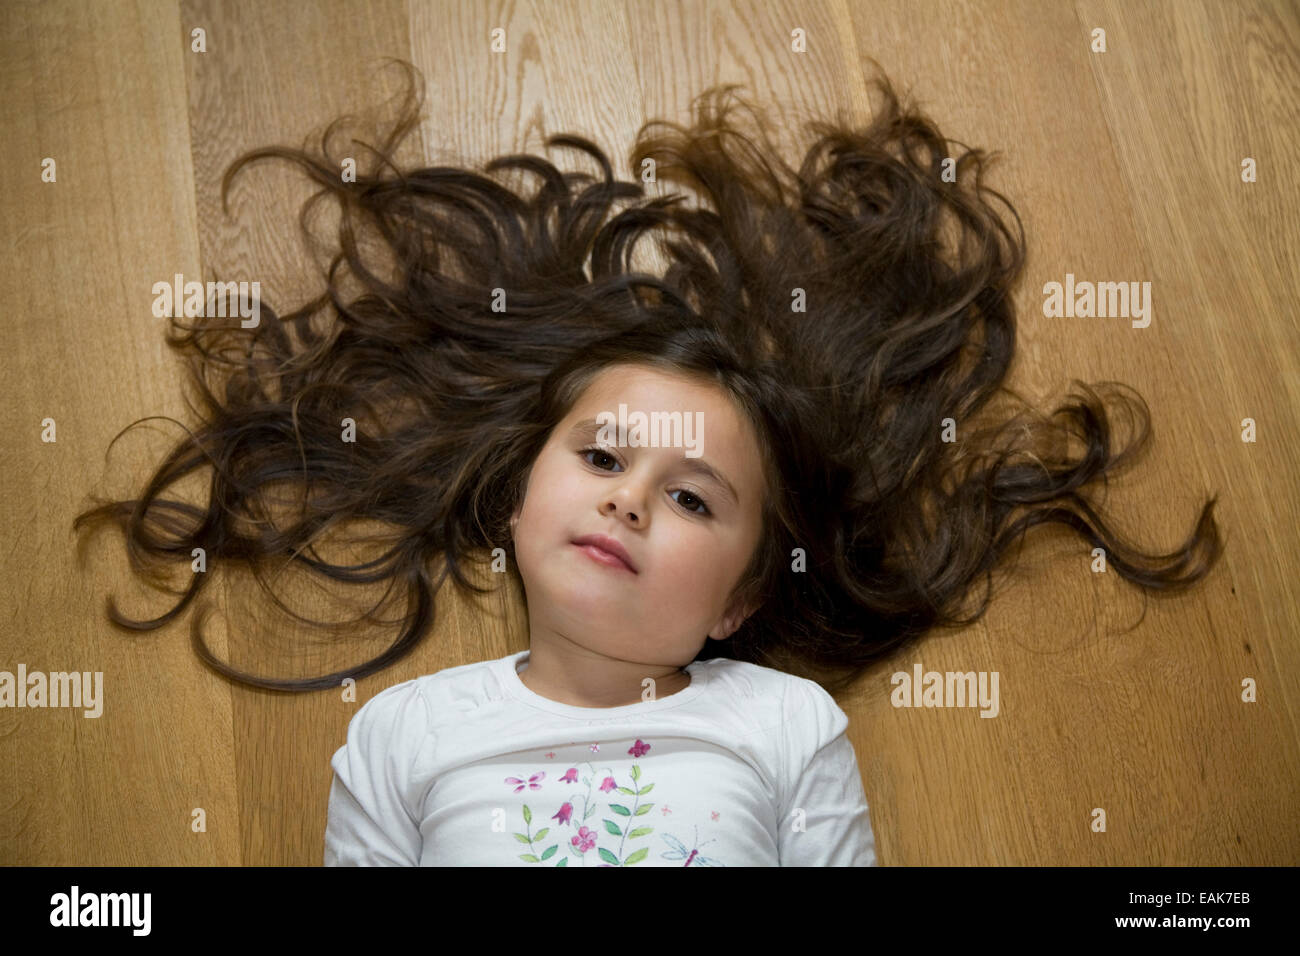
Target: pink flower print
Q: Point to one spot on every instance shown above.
(664, 810)
(595, 748)
(608, 785)
(639, 748)
(566, 811)
(715, 814)
(551, 755)
(584, 841)
(532, 783)
(570, 776)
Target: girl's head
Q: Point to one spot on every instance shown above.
(841, 328)
(697, 539)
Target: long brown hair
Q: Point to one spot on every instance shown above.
(876, 529)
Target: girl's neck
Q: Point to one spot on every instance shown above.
(585, 683)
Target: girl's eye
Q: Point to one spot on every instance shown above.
(690, 495)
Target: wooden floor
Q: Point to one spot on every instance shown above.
(1125, 165)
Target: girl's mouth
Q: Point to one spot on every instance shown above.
(604, 557)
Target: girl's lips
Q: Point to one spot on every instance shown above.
(604, 557)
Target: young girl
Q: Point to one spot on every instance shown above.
(834, 482)
(608, 743)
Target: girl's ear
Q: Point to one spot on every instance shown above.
(734, 617)
(514, 515)
(519, 506)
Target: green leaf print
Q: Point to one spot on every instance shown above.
(620, 810)
(637, 857)
(612, 827)
(644, 809)
(626, 790)
(608, 857)
(636, 772)
(646, 789)
(541, 834)
(564, 862)
(640, 831)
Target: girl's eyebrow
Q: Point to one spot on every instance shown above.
(589, 427)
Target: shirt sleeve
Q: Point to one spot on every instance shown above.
(824, 819)
(372, 817)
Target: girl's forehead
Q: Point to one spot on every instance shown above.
(726, 441)
(621, 395)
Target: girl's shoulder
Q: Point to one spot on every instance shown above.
(777, 697)
(452, 690)
(757, 680)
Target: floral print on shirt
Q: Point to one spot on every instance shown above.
(613, 838)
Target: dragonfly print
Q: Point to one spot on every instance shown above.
(679, 851)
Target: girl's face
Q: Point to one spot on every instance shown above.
(689, 536)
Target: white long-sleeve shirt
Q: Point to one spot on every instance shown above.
(747, 766)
